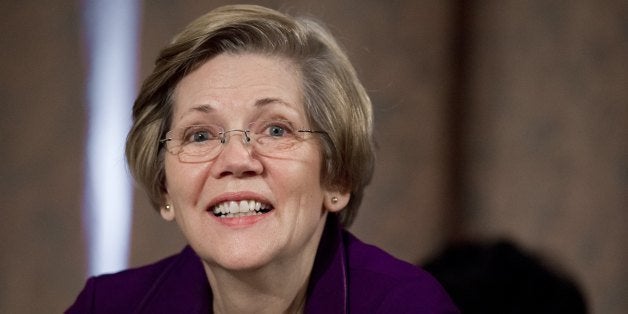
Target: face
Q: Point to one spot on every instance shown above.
(233, 91)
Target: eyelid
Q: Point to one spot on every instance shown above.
(201, 127)
(283, 123)
(188, 131)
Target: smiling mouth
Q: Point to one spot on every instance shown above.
(233, 209)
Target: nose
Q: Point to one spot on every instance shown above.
(236, 158)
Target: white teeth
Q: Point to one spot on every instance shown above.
(244, 206)
(237, 208)
(233, 207)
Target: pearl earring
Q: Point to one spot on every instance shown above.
(334, 200)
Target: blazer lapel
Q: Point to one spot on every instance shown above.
(327, 290)
(181, 288)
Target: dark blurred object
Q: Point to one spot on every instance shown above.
(501, 278)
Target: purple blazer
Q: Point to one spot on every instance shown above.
(348, 277)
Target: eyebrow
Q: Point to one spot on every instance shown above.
(202, 108)
(266, 101)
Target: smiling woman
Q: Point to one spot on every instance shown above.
(254, 135)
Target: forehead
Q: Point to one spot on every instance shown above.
(239, 84)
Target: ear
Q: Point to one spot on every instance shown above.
(167, 210)
(335, 201)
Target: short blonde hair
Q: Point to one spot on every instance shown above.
(334, 99)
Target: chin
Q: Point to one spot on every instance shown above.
(240, 258)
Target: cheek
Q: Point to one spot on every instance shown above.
(184, 181)
(295, 179)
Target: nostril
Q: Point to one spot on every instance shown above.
(239, 174)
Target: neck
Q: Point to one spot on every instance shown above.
(272, 289)
(276, 287)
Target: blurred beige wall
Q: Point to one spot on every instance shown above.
(547, 141)
(505, 119)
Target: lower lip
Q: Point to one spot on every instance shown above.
(240, 222)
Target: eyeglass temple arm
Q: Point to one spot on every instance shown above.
(312, 131)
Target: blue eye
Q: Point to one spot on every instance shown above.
(276, 131)
(200, 136)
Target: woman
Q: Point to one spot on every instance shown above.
(254, 135)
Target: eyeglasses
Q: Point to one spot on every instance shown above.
(200, 143)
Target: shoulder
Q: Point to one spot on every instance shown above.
(123, 291)
(381, 283)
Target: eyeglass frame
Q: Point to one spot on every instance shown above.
(224, 139)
